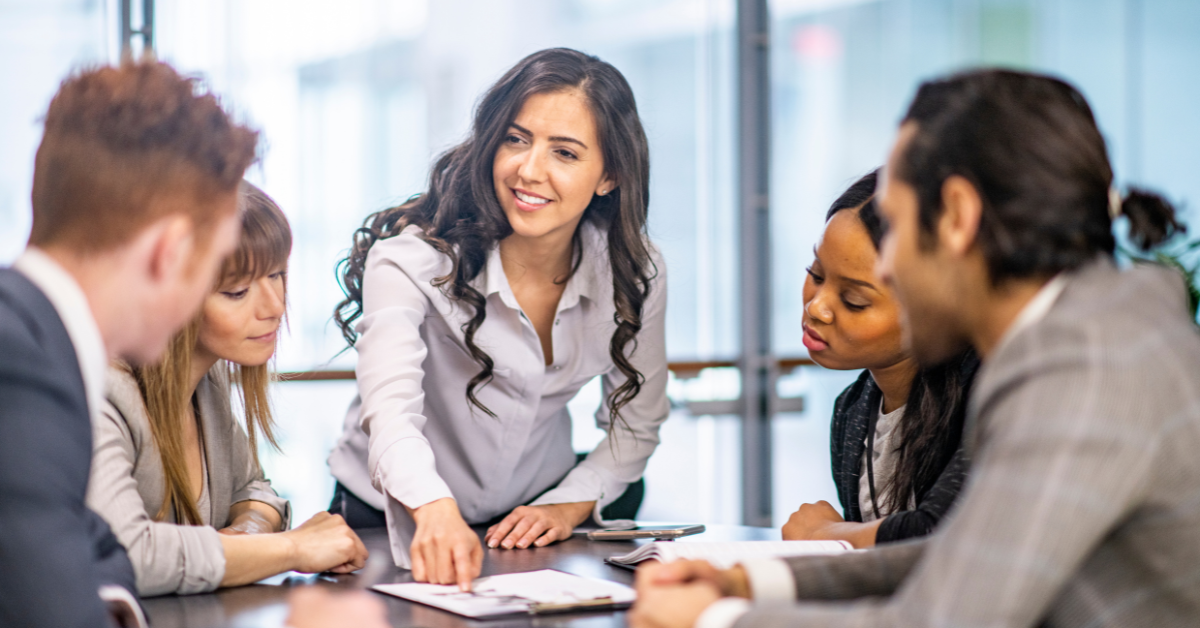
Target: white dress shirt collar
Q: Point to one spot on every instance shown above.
(1035, 310)
(586, 282)
(68, 300)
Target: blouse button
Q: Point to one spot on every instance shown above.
(557, 321)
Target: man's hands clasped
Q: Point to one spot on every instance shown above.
(674, 595)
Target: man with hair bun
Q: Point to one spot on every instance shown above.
(1082, 506)
(135, 197)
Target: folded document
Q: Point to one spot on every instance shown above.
(725, 555)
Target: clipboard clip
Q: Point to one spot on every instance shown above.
(541, 608)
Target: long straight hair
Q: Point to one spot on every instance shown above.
(266, 243)
(930, 430)
(460, 216)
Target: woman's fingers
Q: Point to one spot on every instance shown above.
(539, 527)
(464, 567)
(549, 537)
(518, 531)
(497, 532)
(418, 565)
(363, 553)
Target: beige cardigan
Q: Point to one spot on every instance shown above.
(127, 484)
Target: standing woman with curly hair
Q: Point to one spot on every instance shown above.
(481, 307)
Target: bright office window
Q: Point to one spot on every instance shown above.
(843, 72)
(355, 98)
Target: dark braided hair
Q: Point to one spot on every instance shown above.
(461, 218)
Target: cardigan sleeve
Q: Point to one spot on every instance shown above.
(932, 508)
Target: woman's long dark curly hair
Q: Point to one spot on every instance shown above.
(931, 428)
(461, 217)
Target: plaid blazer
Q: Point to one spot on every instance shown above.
(1083, 503)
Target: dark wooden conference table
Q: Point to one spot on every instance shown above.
(265, 605)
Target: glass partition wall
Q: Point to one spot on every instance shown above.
(356, 98)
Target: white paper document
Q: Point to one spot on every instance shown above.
(725, 555)
(546, 590)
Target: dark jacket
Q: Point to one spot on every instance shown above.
(54, 552)
(854, 415)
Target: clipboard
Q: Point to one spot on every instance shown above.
(542, 592)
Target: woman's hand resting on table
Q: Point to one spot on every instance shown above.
(323, 543)
(821, 522)
(809, 521)
(538, 526)
(326, 543)
(445, 550)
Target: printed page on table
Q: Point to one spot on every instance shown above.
(725, 555)
(517, 593)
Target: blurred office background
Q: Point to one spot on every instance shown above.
(356, 97)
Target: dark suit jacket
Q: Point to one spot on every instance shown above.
(54, 552)
(854, 414)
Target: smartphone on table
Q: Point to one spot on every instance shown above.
(662, 532)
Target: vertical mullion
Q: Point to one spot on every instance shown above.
(757, 363)
(146, 32)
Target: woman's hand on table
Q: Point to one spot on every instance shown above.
(821, 522)
(326, 543)
(445, 550)
(538, 526)
(806, 523)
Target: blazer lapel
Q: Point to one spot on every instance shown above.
(858, 420)
(212, 397)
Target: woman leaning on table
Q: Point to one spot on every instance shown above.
(175, 474)
(478, 310)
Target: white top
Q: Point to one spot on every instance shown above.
(726, 612)
(411, 433)
(883, 461)
(72, 306)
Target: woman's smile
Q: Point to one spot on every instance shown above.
(528, 201)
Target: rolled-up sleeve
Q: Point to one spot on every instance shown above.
(620, 458)
(166, 557)
(390, 356)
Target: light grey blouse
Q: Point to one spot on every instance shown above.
(411, 437)
(127, 485)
